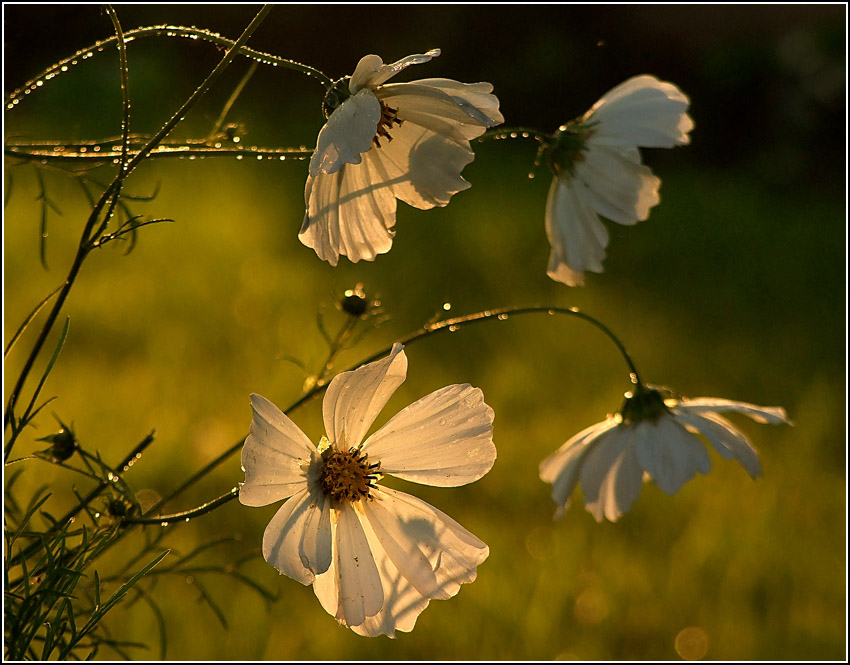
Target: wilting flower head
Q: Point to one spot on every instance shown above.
(598, 170)
(375, 556)
(651, 439)
(407, 141)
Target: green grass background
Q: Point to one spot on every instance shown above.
(735, 287)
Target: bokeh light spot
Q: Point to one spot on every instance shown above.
(691, 643)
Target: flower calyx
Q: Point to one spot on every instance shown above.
(335, 96)
(644, 404)
(565, 147)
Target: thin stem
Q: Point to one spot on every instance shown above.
(193, 34)
(186, 515)
(29, 318)
(232, 99)
(102, 151)
(86, 239)
(123, 466)
(513, 133)
(448, 325)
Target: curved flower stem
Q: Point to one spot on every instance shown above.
(502, 314)
(498, 133)
(194, 34)
(448, 325)
(107, 200)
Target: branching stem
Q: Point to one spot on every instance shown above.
(448, 325)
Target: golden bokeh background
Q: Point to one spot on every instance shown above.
(735, 287)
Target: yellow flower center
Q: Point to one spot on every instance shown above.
(347, 476)
(385, 124)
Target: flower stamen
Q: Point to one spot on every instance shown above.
(347, 476)
(385, 124)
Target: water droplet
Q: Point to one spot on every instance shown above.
(187, 519)
(502, 317)
(238, 156)
(452, 328)
(447, 306)
(164, 524)
(259, 156)
(282, 157)
(64, 68)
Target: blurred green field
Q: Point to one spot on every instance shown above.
(735, 287)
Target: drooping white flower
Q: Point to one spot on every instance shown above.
(375, 556)
(651, 439)
(383, 142)
(598, 170)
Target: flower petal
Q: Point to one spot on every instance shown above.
(297, 540)
(444, 439)
(611, 476)
(476, 99)
(616, 186)
(402, 602)
(371, 70)
(577, 235)
(432, 551)
(354, 399)
(420, 166)
(562, 467)
(642, 111)
(431, 107)
(360, 591)
(727, 440)
(349, 213)
(773, 415)
(668, 453)
(347, 134)
(275, 457)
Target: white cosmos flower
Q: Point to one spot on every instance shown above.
(375, 556)
(652, 439)
(407, 141)
(598, 170)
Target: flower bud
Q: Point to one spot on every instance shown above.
(63, 443)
